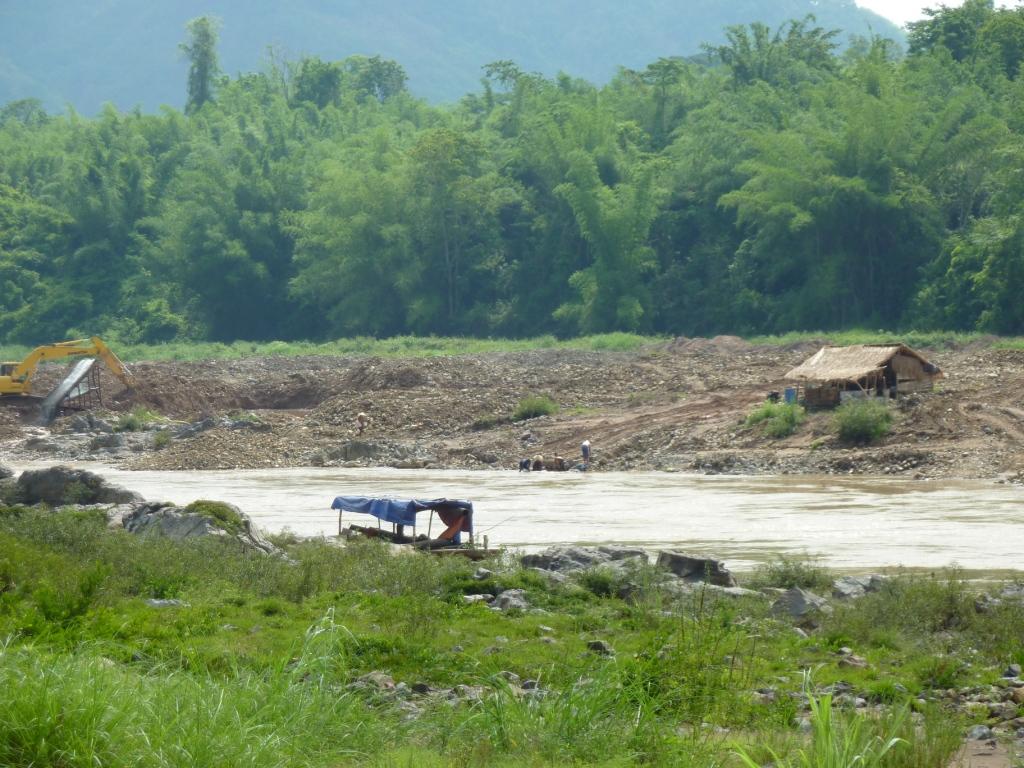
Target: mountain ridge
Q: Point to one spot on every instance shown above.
(126, 53)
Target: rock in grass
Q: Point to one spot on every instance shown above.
(600, 647)
(980, 733)
(693, 568)
(799, 603)
(200, 518)
(852, 587)
(511, 599)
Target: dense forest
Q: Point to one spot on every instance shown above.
(776, 185)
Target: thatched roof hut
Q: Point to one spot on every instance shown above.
(879, 369)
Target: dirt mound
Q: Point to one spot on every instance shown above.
(719, 345)
(375, 375)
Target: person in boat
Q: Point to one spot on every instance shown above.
(455, 518)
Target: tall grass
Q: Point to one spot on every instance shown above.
(86, 710)
(850, 741)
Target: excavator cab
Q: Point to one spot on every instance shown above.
(6, 369)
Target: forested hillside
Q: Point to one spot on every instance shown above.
(781, 186)
(125, 52)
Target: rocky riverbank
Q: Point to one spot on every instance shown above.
(673, 406)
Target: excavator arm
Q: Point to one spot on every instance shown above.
(16, 378)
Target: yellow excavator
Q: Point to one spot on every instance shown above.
(79, 389)
(16, 378)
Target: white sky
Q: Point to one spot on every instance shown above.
(902, 11)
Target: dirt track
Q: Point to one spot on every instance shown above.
(674, 406)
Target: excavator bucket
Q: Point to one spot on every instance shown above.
(70, 387)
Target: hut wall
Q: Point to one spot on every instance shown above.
(911, 375)
(821, 395)
(908, 368)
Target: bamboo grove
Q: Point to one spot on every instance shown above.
(773, 183)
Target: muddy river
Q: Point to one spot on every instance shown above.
(855, 524)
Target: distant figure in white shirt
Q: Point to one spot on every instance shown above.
(585, 450)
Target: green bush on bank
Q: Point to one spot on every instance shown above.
(137, 420)
(863, 421)
(778, 420)
(787, 572)
(534, 406)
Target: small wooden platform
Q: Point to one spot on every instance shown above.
(435, 546)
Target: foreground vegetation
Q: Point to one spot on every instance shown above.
(264, 661)
(775, 184)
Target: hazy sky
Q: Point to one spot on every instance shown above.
(902, 11)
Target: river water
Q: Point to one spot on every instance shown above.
(848, 523)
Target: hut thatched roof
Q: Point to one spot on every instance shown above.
(853, 362)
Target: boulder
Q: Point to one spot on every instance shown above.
(693, 568)
(799, 603)
(108, 440)
(65, 485)
(570, 559)
(87, 422)
(511, 599)
(849, 587)
(165, 519)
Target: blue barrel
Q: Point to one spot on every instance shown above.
(791, 394)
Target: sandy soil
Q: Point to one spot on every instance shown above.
(676, 406)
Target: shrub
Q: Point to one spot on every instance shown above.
(161, 440)
(862, 421)
(534, 406)
(779, 419)
(788, 572)
(137, 420)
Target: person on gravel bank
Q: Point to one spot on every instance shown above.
(362, 422)
(585, 450)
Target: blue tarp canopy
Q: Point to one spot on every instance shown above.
(402, 511)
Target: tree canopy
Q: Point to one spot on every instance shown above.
(776, 184)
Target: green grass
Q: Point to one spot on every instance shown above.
(777, 420)
(534, 406)
(930, 339)
(256, 664)
(862, 421)
(137, 420)
(398, 346)
(435, 346)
